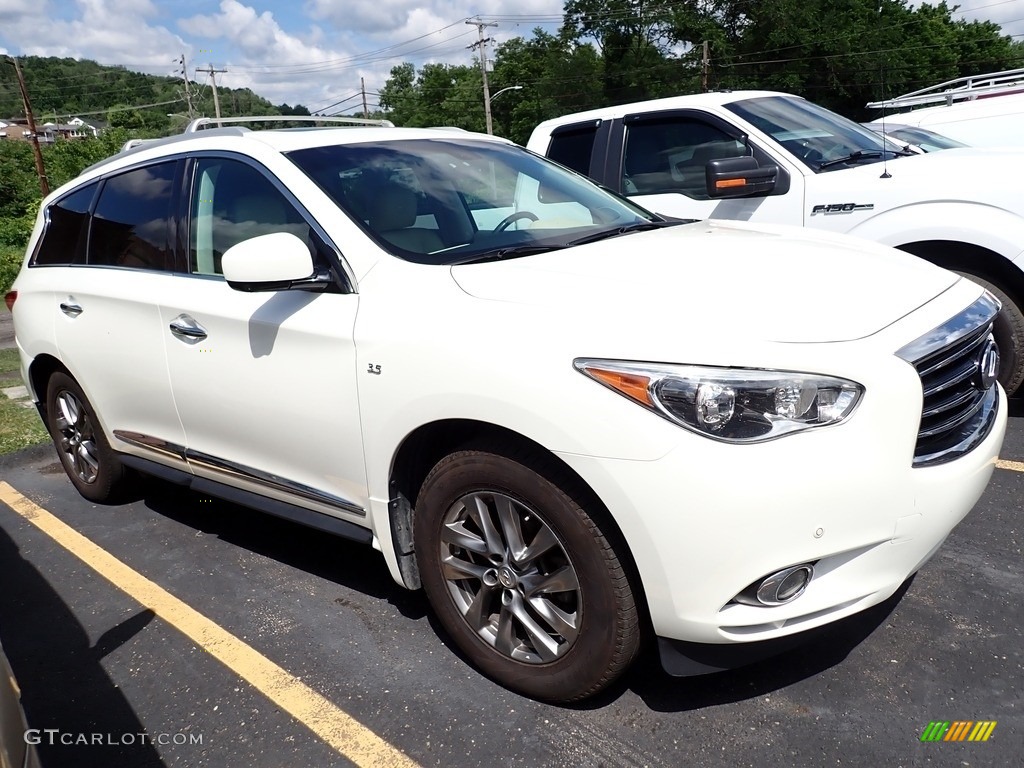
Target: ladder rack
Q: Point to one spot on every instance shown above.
(960, 89)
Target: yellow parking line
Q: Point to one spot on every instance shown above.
(1016, 466)
(338, 729)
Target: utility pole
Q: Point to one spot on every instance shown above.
(704, 63)
(188, 90)
(213, 86)
(482, 45)
(362, 87)
(44, 183)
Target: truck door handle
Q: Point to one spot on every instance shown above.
(71, 310)
(187, 329)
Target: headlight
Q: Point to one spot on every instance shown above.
(732, 404)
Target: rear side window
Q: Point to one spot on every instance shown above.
(573, 147)
(131, 222)
(67, 228)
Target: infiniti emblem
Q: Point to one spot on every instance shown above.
(988, 366)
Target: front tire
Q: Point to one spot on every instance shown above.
(90, 463)
(1009, 334)
(522, 577)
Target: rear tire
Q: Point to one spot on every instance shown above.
(522, 577)
(90, 463)
(1009, 334)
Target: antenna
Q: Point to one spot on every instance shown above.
(885, 140)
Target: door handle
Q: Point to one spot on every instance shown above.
(187, 329)
(69, 309)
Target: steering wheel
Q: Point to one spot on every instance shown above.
(514, 217)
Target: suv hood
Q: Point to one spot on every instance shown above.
(779, 284)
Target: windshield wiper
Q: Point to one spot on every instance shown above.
(860, 154)
(616, 231)
(511, 252)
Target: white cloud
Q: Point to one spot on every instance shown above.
(12, 9)
(110, 31)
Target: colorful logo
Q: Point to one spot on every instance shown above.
(958, 730)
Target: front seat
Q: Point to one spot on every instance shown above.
(392, 215)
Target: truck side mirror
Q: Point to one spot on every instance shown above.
(739, 177)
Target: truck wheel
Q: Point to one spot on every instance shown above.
(522, 578)
(1009, 334)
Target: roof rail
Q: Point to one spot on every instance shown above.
(961, 89)
(204, 122)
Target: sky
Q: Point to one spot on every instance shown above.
(311, 52)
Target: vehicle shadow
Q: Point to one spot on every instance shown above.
(63, 683)
(347, 563)
(830, 646)
(360, 568)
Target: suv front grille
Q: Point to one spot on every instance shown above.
(956, 365)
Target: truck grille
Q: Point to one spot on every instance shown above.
(957, 363)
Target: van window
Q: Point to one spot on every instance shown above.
(131, 223)
(63, 241)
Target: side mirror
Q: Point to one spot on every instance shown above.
(739, 177)
(276, 262)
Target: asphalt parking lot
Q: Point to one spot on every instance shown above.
(360, 673)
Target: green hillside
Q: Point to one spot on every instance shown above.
(113, 95)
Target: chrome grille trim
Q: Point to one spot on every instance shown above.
(957, 414)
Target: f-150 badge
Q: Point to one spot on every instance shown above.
(842, 208)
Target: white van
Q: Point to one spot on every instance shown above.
(985, 111)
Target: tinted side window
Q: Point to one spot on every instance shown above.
(573, 148)
(670, 155)
(131, 222)
(63, 242)
(232, 202)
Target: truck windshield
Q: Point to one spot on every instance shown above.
(819, 138)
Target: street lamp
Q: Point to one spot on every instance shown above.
(493, 97)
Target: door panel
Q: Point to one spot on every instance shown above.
(268, 396)
(264, 382)
(113, 344)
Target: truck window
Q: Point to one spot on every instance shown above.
(670, 155)
(573, 147)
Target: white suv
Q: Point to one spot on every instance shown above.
(570, 421)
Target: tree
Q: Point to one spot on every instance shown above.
(556, 77)
(843, 55)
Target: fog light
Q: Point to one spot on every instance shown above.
(778, 588)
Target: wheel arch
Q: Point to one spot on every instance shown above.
(40, 370)
(429, 443)
(976, 259)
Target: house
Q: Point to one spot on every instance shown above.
(49, 132)
(14, 129)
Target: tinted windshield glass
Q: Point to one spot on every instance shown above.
(927, 140)
(819, 138)
(444, 201)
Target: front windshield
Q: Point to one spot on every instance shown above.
(446, 201)
(821, 139)
(927, 140)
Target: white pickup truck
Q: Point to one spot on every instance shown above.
(776, 158)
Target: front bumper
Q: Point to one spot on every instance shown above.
(709, 519)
